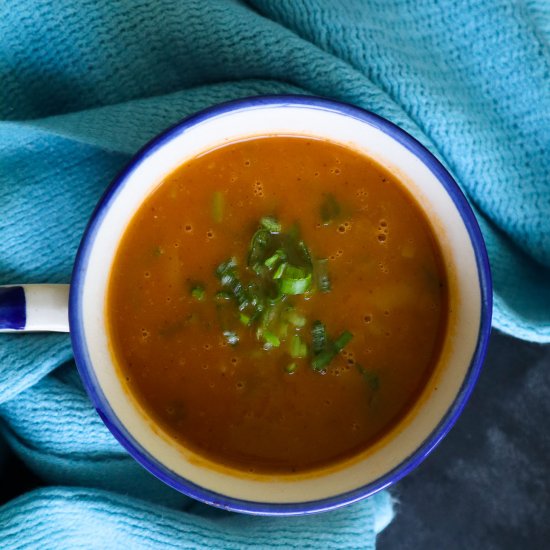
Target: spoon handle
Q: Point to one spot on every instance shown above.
(34, 308)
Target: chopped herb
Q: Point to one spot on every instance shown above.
(343, 340)
(223, 295)
(318, 337)
(322, 278)
(245, 319)
(231, 337)
(198, 292)
(279, 267)
(271, 339)
(218, 206)
(272, 260)
(271, 224)
(330, 209)
(324, 349)
(280, 270)
(295, 318)
(298, 349)
(292, 368)
(323, 359)
(372, 379)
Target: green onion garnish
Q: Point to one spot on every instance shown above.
(217, 206)
(343, 340)
(292, 368)
(271, 224)
(297, 348)
(295, 318)
(318, 337)
(370, 377)
(198, 292)
(270, 338)
(231, 337)
(321, 275)
(323, 360)
(330, 209)
(260, 294)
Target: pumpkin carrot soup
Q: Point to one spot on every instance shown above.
(277, 304)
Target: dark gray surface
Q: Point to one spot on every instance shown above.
(487, 485)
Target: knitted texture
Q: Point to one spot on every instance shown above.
(85, 83)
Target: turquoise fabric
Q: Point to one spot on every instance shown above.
(85, 83)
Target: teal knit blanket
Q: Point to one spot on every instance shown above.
(85, 83)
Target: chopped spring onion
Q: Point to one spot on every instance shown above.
(271, 224)
(298, 349)
(321, 275)
(271, 339)
(330, 209)
(231, 337)
(295, 280)
(223, 295)
(218, 206)
(198, 292)
(295, 318)
(279, 267)
(245, 319)
(323, 359)
(343, 340)
(292, 368)
(272, 260)
(318, 337)
(371, 377)
(279, 272)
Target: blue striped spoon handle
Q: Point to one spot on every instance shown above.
(34, 308)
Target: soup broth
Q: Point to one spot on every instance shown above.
(277, 304)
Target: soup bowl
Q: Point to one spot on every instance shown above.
(389, 458)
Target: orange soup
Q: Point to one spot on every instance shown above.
(277, 304)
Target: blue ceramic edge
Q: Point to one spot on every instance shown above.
(13, 308)
(308, 507)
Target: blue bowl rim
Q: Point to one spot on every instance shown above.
(260, 508)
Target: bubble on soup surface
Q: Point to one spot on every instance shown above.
(247, 162)
(258, 189)
(188, 228)
(239, 385)
(367, 318)
(147, 274)
(210, 234)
